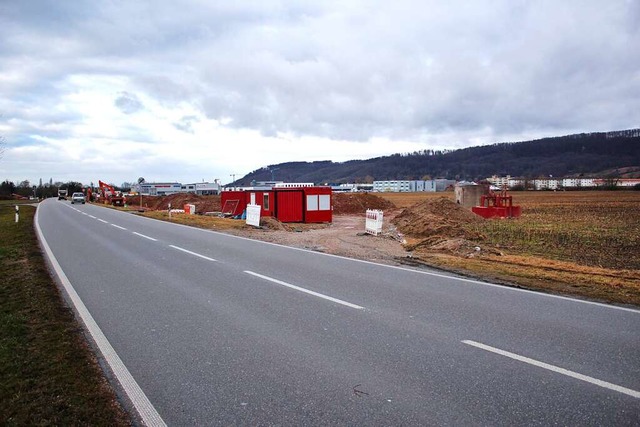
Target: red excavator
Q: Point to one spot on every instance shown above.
(109, 194)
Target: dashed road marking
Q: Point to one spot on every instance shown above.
(307, 291)
(146, 237)
(191, 253)
(604, 384)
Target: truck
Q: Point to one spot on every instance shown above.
(62, 194)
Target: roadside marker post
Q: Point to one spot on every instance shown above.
(169, 210)
(17, 213)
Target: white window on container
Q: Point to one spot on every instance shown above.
(312, 202)
(265, 202)
(325, 202)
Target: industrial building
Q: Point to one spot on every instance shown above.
(412, 186)
(167, 188)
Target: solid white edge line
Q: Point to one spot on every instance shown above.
(117, 226)
(428, 273)
(604, 384)
(146, 237)
(140, 401)
(307, 291)
(191, 253)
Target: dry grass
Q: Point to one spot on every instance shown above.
(583, 243)
(201, 221)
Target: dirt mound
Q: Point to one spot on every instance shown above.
(358, 203)
(436, 220)
(203, 203)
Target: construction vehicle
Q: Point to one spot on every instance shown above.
(62, 194)
(109, 194)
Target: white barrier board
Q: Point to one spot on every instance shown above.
(253, 215)
(373, 224)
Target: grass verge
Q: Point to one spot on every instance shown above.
(48, 374)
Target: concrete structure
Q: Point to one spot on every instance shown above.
(469, 194)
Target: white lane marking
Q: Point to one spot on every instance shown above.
(91, 216)
(610, 386)
(297, 288)
(192, 253)
(83, 213)
(140, 401)
(102, 220)
(146, 237)
(117, 226)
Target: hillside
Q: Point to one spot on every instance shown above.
(611, 154)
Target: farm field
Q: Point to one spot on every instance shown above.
(583, 242)
(595, 228)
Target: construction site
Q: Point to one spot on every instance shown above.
(526, 241)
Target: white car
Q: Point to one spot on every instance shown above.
(77, 198)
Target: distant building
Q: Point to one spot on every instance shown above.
(561, 183)
(202, 188)
(400, 186)
(158, 188)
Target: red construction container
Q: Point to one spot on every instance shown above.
(233, 202)
(264, 198)
(318, 206)
(303, 204)
(289, 205)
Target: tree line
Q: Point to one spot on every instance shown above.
(9, 189)
(598, 154)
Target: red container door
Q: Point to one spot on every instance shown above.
(289, 206)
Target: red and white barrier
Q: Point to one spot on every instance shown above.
(190, 209)
(373, 224)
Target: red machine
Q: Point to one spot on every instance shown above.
(109, 194)
(497, 205)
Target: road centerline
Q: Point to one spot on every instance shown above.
(146, 237)
(191, 253)
(595, 381)
(307, 291)
(117, 226)
(102, 220)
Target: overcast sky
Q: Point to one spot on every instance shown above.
(201, 89)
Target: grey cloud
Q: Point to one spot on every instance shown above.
(128, 103)
(186, 124)
(354, 70)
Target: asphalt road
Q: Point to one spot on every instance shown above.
(216, 329)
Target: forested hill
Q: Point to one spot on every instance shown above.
(611, 154)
